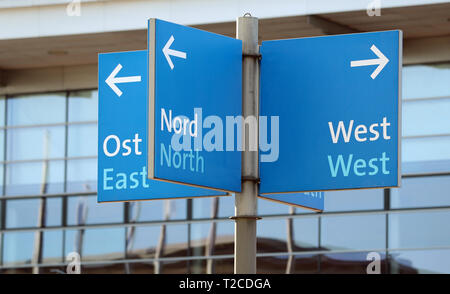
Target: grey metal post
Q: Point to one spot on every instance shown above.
(246, 201)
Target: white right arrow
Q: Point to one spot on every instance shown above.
(167, 52)
(381, 61)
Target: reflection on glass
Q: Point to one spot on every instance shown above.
(83, 106)
(420, 81)
(37, 109)
(86, 210)
(28, 178)
(354, 232)
(82, 140)
(419, 229)
(422, 192)
(35, 143)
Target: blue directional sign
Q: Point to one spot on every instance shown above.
(122, 133)
(308, 200)
(338, 101)
(195, 90)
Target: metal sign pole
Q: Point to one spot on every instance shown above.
(246, 201)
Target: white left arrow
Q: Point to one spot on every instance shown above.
(381, 61)
(112, 80)
(168, 52)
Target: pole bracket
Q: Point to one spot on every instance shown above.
(251, 179)
(249, 217)
(254, 55)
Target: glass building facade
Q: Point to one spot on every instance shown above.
(48, 206)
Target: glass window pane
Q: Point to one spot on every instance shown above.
(22, 213)
(429, 80)
(25, 212)
(204, 207)
(18, 247)
(1, 178)
(94, 246)
(37, 109)
(419, 229)
(224, 238)
(426, 117)
(422, 192)
(422, 262)
(197, 266)
(266, 207)
(2, 144)
(35, 143)
(142, 243)
(82, 140)
(354, 200)
(349, 263)
(305, 264)
(86, 210)
(226, 206)
(154, 210)
(82, 175)
(354, 232)
(224, 266)
(271, 235)
(27, 178)
(146, 239)
(271, 264)
(2, 110)
(175, 267)
(176, 240)
(426, 149)
(54, 212)
(200, 234)
(53, 246)
(83, 106)
(306, 233)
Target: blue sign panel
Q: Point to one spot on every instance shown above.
(309, 200)
(122, 133)
(338, 102)
(195, 90)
